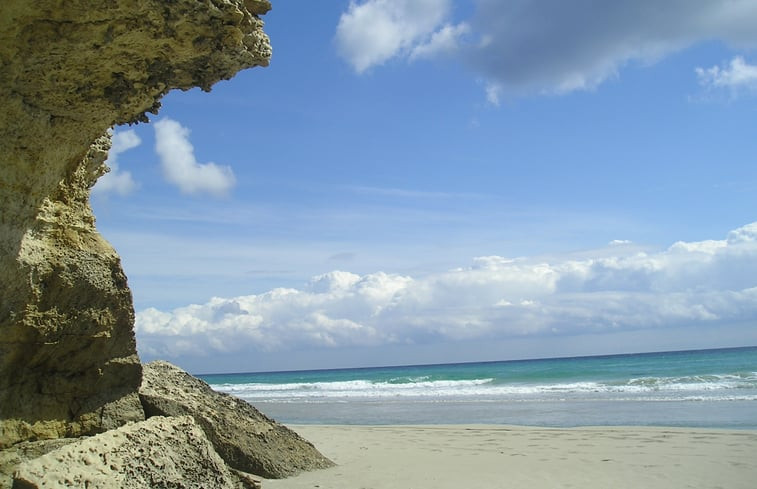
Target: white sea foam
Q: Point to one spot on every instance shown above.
(355, 388)
(714, 387)
(707, 389)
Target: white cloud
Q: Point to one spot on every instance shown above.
(744, 234)
(372, 32)
(180, 167)
(116, 181)
(546, 46)
(552, 46)
(687, 285)
(444, 41)
(737, 75)
(493, 92)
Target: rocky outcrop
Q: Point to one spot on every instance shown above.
(22, 452)
(159, 452)
(245, 438)
(70, 70)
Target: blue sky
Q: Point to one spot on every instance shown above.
(428, 181)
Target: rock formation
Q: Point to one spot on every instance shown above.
(245, 438)
(70, 70)
(160, 452)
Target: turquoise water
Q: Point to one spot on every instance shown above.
(705, 388)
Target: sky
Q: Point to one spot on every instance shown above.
(428, 181)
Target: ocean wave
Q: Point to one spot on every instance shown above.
(747, 380)
(352, 388)
(739, 386)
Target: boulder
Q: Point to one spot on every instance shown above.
(245, 438)
(12, 457)
(157, 453)
(69, 71)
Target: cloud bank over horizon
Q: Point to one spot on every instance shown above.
(619, 288)
(539, 46)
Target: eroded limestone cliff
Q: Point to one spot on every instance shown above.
(70, 70)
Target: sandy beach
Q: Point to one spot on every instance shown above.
(492, 456)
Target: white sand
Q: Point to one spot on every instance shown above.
(471, 457)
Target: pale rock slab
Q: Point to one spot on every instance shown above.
(245, 438)
(157, 453)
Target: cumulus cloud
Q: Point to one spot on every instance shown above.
(555, 46)
(688, 284)
(180, 167)
(737, 75)
(117, 181)
(545, 46)
(372, 32)
(445, 41)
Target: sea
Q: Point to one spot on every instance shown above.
(703, 389)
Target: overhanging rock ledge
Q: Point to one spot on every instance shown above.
(69, 71)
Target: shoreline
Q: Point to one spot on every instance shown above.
(726, 415)
(490, 456)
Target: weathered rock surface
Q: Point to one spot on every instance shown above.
(246, 439)
(22, 452)
(157, 453)
(69, 70)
